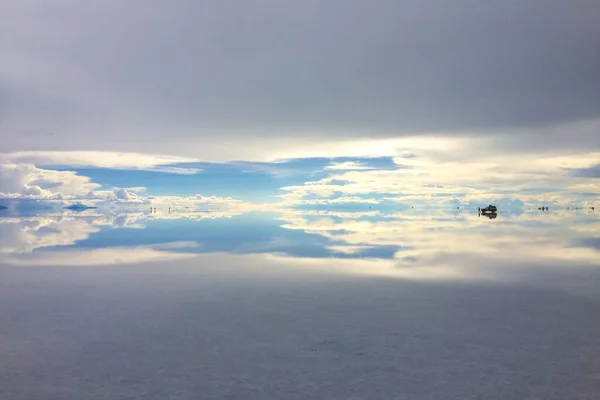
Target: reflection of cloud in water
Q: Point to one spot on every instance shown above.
(442, 244)
(95, 257)
(194, 215)
(588, 242)
(409, 244)
(26, 234)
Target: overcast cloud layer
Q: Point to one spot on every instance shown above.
(144, 76)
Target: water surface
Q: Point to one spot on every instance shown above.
(300, 305)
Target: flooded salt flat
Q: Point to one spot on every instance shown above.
(300, 305)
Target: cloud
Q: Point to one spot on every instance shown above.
(26, 180)
(22, 182)
(590, 172)
(453, 173)
(443, 173)
(339, 200)
(347, 166)
(100, 159)
(175, 170)
(220, 80)
(119, 196)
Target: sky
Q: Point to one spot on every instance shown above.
(264, 104)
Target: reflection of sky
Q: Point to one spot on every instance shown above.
(364, 296)
(407, 242)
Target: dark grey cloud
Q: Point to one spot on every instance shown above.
(83, 74)
(591, 172)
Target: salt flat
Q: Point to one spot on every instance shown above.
(265, 326)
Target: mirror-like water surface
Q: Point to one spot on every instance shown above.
(300, 304)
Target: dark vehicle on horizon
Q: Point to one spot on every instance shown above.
(488, 209)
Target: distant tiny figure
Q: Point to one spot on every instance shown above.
(592, 208)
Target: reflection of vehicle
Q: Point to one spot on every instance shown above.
(491, 215)
(488, 209)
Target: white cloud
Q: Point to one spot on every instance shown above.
(448, 173)
(28, 181)
(103, 159)
(368, 147)
(339, 200)
(438, 172)
(347, 166)
(174, 170)
(119, 196)
(25, 181)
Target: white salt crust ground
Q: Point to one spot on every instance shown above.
(187, 331)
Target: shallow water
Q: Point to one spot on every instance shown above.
(300, 305)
